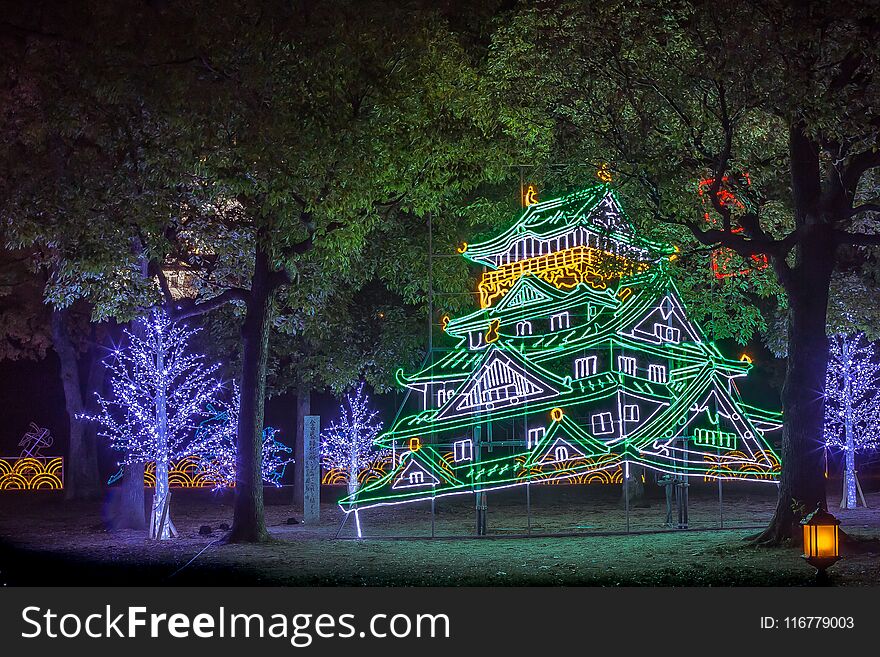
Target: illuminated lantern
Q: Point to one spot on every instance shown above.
(821, 545)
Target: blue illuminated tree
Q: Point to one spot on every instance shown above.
(159, 393)
(348, 443)
(214, 446)
(852, 405)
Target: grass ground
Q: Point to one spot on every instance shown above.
(47, 541)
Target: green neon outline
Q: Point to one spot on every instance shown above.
(698, 384)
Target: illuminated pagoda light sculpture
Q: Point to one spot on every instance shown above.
(581, 361)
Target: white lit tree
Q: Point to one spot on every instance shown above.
(348, 444)
(159, 392)
(214, 446)
(852, 405)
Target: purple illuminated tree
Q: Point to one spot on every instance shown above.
(159, 393)
(348, 444)
(852, 405)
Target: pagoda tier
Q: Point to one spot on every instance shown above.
(568, 375)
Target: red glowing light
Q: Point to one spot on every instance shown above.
(725, 261)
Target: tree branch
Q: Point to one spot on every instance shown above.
(858, 165)
(864, 207)
(155, 270)
(306, 245)
(756, 245)
(184, 308)
(279, 278)
(858, 239)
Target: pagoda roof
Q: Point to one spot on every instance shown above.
(573, 392)
(595, 208)
(652, 441)
(527, 295)
(614, 323)
(636, 297)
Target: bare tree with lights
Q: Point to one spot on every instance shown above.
(852, 406)
(159, 393)
(348, 443)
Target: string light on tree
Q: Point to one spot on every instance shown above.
(852, 406)
(726, 263)
(348, 444)
(159, 392)
(214, 446)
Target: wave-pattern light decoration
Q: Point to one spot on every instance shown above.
(586, 379)
(183, 473)
(380, 467)
(600, 470)
(32, 473)
(738, 466)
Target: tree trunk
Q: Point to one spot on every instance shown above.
(81, 477)
(303, 408)
(353, 469)
(249, 521)
(850, 501)
(849, 475)
(94, 387)
(129, 512)
(161, 527)
(802, 483)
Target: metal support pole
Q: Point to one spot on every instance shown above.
(431, 290)
(528, 476)
(431, 333)
(682, 491)
(626, 492)
(668, 481)
(342, 524)
(481, 513)
(720, 505)
(479, 495)
(682, 498)
(859, 488)
(529, 507)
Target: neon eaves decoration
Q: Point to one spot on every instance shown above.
(581, 363)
